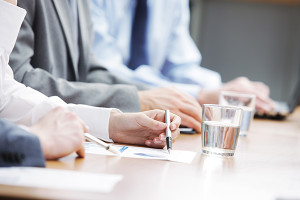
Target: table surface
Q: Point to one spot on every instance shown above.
(266, 166)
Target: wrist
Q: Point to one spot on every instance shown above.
(143, 98)
(46, 144)
(113, 123)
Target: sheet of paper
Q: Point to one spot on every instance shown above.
(59, 179)
(144, 153)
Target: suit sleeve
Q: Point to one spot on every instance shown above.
(107, 92)
(18, 147)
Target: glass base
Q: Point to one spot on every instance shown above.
(219, 152)
(243, 133)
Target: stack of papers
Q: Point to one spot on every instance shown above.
(58, 179)
(144, 153)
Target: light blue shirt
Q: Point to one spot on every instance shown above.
(173, 56)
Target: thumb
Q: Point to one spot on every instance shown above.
(152, 124)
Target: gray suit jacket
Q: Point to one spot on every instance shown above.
(18, 147)
(43, 58)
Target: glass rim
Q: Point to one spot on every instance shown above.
(231, 93)
(223, 106)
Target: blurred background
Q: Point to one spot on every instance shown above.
(259, 39)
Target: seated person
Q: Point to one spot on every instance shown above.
(60, 132)
(149, 42)
(53, 55)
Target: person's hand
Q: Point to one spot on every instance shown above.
(179, 103)
(14, 2)
(144, 128)
(241, 85)
(61, 133)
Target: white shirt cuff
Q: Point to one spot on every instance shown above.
(97, 119)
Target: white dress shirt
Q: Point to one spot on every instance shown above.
(23, 105)
(173, 56)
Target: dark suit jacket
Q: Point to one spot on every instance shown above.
(43, 58)
(18, 147)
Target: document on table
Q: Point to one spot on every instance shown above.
(144, 153)
(59, 179)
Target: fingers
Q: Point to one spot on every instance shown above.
(185, 103)
(156, 143)
(175, 135)
(192, 111)
(80, 146)
(192, 107)
(190, 122)
(262, 87)
(162, 136)
(175, 122)
(152, 123)
(84, 126)
(263, 106)
(159, 115)
(156, 114)
(160, 142)
(190, 116)
(262, 91)
(73, 127)
(81, 152)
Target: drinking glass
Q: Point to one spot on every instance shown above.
(220, 129)
(244, 101)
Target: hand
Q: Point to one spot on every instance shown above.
(179, 103)
(242, 85)
(60, 133)
(14, 2)
(144, 128)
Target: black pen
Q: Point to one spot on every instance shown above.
(168, 131)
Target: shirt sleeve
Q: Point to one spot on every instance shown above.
(97, 119)
(31, 105)
(11, 17)
(183, 58)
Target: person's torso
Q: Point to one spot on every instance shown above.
(54, 44)
(162, 17)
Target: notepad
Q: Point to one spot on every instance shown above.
(144, 153)
(59, 179)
